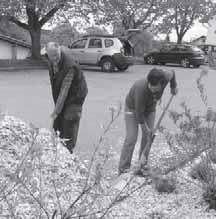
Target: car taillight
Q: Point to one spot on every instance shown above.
(122, 51)
(200, 55)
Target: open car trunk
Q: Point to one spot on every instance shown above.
(128, 47)
(123, 61)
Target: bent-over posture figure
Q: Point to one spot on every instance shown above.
(140, 108)
(69, 90)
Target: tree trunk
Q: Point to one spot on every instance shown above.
(35, 39)
(180, 38)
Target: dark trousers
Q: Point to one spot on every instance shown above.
(132, 126)
(68, 130)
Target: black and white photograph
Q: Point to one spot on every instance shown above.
(107, 109)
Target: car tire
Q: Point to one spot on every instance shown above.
(196, 66)
(123, 68)
(185, 63)
(150, 60)
(107, 64)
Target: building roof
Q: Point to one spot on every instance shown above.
(14, 41)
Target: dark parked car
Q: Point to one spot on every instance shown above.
(186, 55)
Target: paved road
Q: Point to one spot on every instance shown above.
(27, 95)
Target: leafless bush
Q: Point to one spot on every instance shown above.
(209, 196)
(41, 179)
(193, 144)
(203, 171)
(165, 184)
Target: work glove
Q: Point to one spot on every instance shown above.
(53, 118)
(174, 91)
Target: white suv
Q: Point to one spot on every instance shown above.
(106, 51)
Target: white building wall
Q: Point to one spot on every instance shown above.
(211, 33)
(5, 50)
(22, 52)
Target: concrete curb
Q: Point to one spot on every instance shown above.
(20, 68)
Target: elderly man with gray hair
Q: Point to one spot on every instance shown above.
(69, 90)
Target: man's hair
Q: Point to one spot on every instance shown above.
(52, 45)
(156, 76)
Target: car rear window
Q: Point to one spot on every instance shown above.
(108, 43)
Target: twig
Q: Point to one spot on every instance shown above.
(5, 187)
(32, 195)
(40, 183)
(188, 180)
(22, 162)
(116, 199)
(54, 214)
(53, 181)
(25, 156)
(113, 118)
(91, 214)
(66, 216)
(10, 208)
(86, 188)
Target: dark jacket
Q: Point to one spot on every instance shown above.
(142, 101)
(78, 89)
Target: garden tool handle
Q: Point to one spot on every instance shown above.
(163, 114)
(143, 159)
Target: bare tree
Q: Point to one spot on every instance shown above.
(182, 14)
(32, 15)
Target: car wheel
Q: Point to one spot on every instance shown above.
(123, 68)
(163, 63)
(185, 63)
(196, 66)
(107, 65)
(150, 60)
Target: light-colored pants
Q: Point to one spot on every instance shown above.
(132, 127)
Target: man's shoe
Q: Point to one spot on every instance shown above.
(123, 172)
(142, 171)
(70, 150)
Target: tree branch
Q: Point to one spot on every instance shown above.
(184, 26)
(32, 15)
(50, 14)
(17, 22)
(176, 20)
(187, 27)
(149, 11)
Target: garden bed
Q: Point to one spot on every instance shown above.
(40, 177)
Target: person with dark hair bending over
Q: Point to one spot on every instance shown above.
(140, 108)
